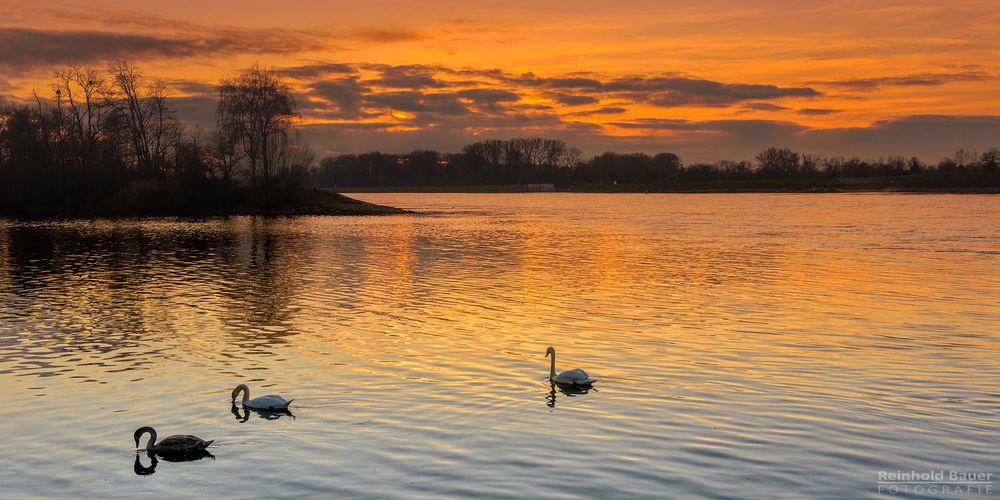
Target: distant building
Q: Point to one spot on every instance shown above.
(539, 188)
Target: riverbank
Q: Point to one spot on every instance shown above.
(159, 204)
(643, 188)
(325, 202)
(931, 182)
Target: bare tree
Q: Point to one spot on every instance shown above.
(778, 161)
(990, 159)
(80, 87)
(224, 154)
(294, 163)
(142, 110)
(964, 158)
(257, 109)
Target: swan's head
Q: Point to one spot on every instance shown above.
(139, 432)
(551, 351)
(241, 387)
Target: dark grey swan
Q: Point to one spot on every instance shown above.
(178, 445)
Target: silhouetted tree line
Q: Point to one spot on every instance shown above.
(522, 160)
(533, 160)
(112, 139)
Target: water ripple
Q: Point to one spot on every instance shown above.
(747, 346)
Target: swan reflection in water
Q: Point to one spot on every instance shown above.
(142, 470)
(243, 414)
(568, 390)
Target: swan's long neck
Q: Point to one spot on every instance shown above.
(245, 390)
(552, 366)
(151, 444)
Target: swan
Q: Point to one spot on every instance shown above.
(568, 377)
(269, 402)
(173, 445)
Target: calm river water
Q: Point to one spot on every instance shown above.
(751, 345)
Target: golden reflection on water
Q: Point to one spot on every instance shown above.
(760, 336)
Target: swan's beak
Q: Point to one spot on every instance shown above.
(546, 354)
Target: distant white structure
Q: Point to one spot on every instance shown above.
(539, 188)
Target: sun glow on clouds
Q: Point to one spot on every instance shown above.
(636, 75)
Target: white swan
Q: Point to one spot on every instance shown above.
(269, 402)
(568, 377)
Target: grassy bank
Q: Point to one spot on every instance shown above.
(324, 202)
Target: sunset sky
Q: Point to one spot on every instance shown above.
(708, 80)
